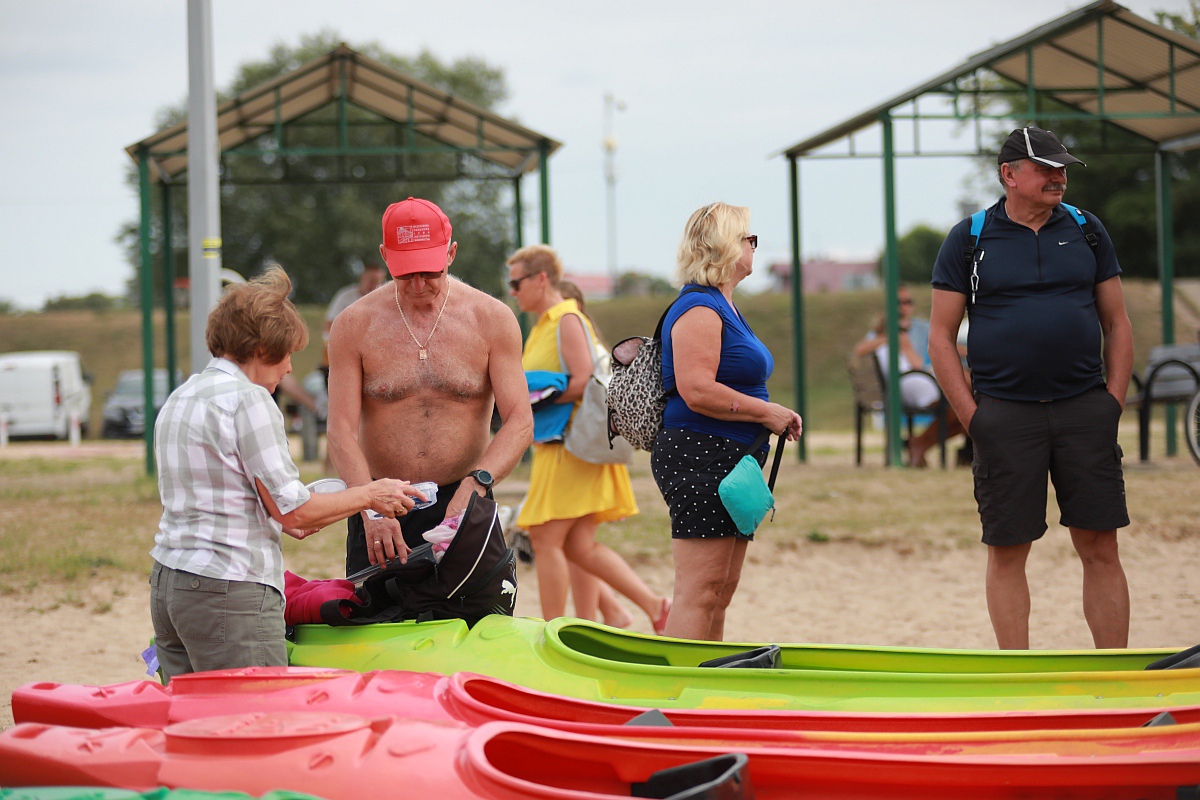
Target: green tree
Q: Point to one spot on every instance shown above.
(640, 283)
(8, 307)
(917, 250)
(95, 301)
(321, 229)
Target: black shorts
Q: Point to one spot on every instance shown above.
(1018, 443)
(412, 525)
(688, 467)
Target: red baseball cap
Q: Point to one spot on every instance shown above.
(416, 235)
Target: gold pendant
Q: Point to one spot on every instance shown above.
(422, 354)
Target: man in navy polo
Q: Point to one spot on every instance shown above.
(1051, 351)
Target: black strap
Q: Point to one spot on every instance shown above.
(759, 442)
(663, 318)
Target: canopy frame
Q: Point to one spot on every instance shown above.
(254, 127)
(1101, 63)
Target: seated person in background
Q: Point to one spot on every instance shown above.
(916, 390)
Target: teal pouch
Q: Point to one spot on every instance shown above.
(744, 492)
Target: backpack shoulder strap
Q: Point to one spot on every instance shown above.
(972, 255)
(587, 334)
(663, 318)
(977, 221)
(1084, 225)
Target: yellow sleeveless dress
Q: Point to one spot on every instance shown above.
(562, 486)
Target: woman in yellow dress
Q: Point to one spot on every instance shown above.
(568, 497)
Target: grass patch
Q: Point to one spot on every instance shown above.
(70, 526)
(110, 342)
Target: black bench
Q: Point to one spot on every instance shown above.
(1171, 376)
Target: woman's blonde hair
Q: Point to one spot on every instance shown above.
(712, 244)
(539, 258)
(257, 319)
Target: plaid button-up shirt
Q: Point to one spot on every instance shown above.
(215, 435)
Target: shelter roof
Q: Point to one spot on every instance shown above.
(1102, 60)
(368, 84)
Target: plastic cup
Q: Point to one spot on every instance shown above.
(429, 489)
(327, 486)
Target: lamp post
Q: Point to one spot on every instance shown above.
(611, 106)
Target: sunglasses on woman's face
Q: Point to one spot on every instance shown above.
(515, 283)
(753, 240)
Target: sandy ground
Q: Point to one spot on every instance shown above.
(835, 593)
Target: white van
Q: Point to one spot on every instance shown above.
(40, 389)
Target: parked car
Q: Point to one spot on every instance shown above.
(125, 405)
(40, 390)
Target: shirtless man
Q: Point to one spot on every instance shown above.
(413, 373)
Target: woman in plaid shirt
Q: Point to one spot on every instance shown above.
(230, 490)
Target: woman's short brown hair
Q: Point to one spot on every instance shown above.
(539, 258)
(257, 319)
(712, 244)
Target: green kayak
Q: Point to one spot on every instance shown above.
(586, 660)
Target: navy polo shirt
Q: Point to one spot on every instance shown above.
(745, 365)
(1034, 334)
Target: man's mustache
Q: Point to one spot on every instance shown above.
(1056, 187)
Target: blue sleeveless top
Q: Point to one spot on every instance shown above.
(745, 365)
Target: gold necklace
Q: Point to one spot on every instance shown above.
(422, 352)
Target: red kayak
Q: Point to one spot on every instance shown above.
(476, 699)
(346, 757)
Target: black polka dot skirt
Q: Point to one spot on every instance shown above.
(688, 467)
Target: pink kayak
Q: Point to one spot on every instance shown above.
(476, 699)
(346, 757)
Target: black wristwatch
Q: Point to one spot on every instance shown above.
(483, 478)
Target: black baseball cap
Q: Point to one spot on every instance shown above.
(1038, 145)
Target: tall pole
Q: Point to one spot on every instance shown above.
(168, 285)
(146, 280)
(798, 354)
(544, 183)
(1166, 269)
(891, 281)
(204, 209)
(611, 106)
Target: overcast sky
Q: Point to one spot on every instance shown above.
(711, 91)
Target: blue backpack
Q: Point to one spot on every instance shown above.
(974, 255)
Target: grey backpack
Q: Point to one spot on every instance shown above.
(636, 397)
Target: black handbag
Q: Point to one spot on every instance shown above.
(476, 576)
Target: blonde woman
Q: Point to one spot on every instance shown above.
(568, 498)
(715, 371)
(230, 491)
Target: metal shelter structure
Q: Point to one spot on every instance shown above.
(1101, 63)
(411, 131)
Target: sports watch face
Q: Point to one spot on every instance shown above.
(482, 477)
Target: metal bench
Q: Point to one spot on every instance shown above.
(1171, 376)
(870, 397)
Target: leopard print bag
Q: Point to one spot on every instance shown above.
(636, 397)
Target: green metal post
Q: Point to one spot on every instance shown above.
(1171, 76)
(798, 355)
(147, 292)
(519, 241)
(168, 286)
(891, 281)
(518, 222)
(278, 119)
(343, 129)
(1030, 88)
(1166, 268)
(544, 176)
